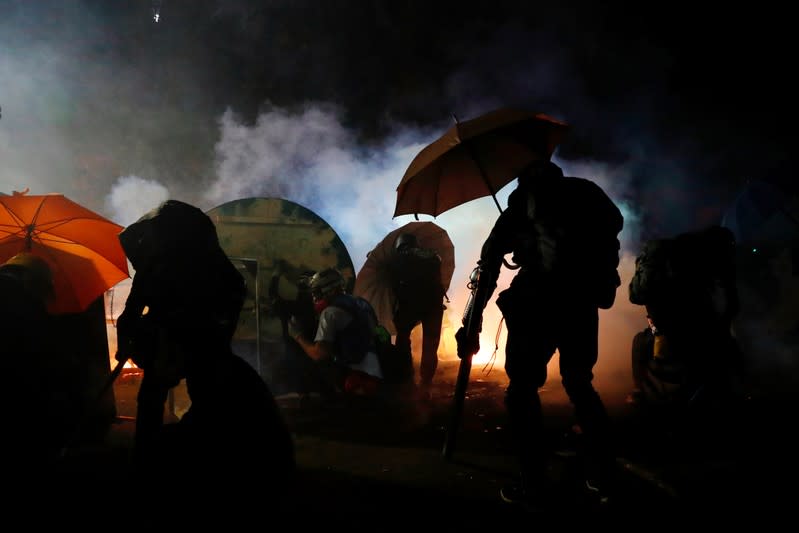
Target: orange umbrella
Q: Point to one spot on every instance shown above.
(476, 158)
(81, 247)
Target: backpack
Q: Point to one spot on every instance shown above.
(694, 265)
(417, 270)
(655, 275)
(587, 230)
(358, 338)
(364, 334)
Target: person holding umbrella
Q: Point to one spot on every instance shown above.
(415, 274)
(563, 234)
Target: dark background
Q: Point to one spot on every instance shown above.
(692, 102)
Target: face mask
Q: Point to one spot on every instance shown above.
(320, 305)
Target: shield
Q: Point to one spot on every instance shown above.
(372, 281)
(81, 247)
(276, 243)
(476, 158)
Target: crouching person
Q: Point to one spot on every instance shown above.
(344, 345)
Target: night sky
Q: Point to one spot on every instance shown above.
(325, 103)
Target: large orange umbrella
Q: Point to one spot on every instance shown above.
(81, 247)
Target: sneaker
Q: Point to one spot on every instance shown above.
(361, 384)
(514, 494)
(570, 443)
(597, 491)
(425, 393)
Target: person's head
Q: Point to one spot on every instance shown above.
(540, 173)
(405, 241)
(324, 285)
(34, 273)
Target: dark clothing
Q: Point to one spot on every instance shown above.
(419, 295)
(564, 236)
(688, 286)
(34, 428)
(193, 303)
(232, 433)
(642, 352)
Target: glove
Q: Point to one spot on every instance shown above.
(466, 347)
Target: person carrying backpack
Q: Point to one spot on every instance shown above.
(344, 345)
(687, 284)
(563, 234)
(416, 282)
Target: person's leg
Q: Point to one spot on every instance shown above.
(150, 402)
(578, 333)
(526, 359)
(404, 324)
(431, 337)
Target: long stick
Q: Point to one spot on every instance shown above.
(468, 345)
(464, 369)
(73, 438)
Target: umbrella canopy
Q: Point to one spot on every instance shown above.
(476, 158)
(80, 246)
(373, 282)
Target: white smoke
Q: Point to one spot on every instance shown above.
(132, 196)
(309, 158)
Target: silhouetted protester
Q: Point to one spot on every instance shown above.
(232, 444)
(416, 282)
(32, 429)
(563, 233)
(688, 285)
(178, 322)
(344, 347)
(182, 309)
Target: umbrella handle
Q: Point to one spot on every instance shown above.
(476, 160)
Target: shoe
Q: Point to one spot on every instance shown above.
(361, 384)
(570, 443)
(425, 393)
(514, 494)
(597, 491)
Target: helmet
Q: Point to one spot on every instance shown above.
(326, 282)
(406, 240)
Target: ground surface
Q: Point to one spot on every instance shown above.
(363, 464)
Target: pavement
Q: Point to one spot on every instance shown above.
(366, 465)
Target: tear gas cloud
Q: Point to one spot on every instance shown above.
(310, 159)
(118, 113)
